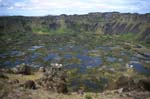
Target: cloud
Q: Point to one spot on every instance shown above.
(20, 4)
(73, 6)
(10, 8)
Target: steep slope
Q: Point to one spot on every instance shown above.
(96, 23)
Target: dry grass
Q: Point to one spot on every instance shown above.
(18, 93)
(23, 78)
(43, 94)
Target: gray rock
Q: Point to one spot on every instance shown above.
(3, 76)
(30, 84)
(54, 79)
(22, 69)
(120, 90)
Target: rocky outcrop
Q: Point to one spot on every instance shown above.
(22, 69)
(127, 84)
(29, 84)
(144, 84)
(54, 79)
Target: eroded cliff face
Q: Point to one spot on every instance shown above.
(97, 23)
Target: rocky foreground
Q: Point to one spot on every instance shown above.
(22, 82)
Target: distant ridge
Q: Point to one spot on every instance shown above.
(96, 23)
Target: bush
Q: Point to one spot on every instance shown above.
(88, 96)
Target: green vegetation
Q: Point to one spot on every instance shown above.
(88, 96)
(85, 33)
(91, 24)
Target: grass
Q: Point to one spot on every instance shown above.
(88, 96)
(23, 78)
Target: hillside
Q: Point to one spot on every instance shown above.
(95, 23)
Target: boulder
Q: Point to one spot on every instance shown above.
(29, 84)
(3, 76)
(42, 69)
(54, 79)
(62, 87)
(144, 84)
(22, 69)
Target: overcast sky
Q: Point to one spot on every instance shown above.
(56, 7)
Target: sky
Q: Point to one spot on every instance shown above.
(69, 7)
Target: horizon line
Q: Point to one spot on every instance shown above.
(76, 14)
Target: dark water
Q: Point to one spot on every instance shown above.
(111, 59)
(89, 61)
(51, 56)
(3, 55)
(86, 61)
(12, 58)
(140, 68)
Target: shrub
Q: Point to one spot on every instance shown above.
(88, 96)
